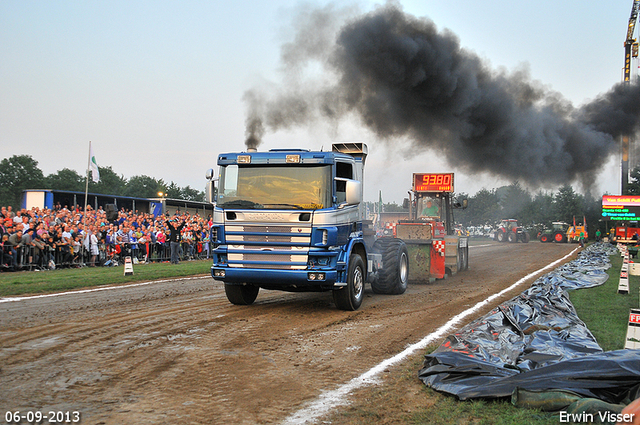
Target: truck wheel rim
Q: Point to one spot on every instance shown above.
(404, 269)
(358, 283)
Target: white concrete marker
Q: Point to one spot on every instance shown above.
(128, 266)
(623, 285)
(633, 330)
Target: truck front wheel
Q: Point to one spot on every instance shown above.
(350, 297)
(241, 294)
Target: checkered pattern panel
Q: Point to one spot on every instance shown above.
(439, 247)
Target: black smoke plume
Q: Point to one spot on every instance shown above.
(404, 79)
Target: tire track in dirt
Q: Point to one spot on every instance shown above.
(180, 353)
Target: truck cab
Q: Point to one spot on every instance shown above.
(293, 220)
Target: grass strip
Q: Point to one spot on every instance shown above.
(605, 312)
(42, 282)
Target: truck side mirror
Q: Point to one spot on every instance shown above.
(405, 203)
(354, 192)
(210, 189)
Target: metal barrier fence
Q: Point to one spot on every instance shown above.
(33, 258)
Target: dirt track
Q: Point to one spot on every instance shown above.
(178, 352)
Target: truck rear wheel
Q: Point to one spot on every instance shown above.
(350, 297)
(241, 294)
(394, 276)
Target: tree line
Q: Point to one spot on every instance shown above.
(532, 210)
(488, 206)
(21, 172)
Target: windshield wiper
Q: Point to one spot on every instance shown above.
(241, 203)
(298, 207)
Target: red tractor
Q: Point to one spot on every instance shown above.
(508, 230)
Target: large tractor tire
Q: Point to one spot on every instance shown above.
(512, 237)
(545, 238)
(241, 294)
(394, 276)
(463, 259)
(350, 297)
(501, 235)
(560, 237)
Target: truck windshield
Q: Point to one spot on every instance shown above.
(275, 187)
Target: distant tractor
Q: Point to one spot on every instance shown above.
(508, 230)
(557, 233)
(574, 232)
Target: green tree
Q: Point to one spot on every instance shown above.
(65, 179)
(143, 187)
(593, 214)
(514, 201)
(173, 191)
(393, 207)
(18, 173)
(568, 204)
(110, 183)
(190, 194)
(542, 209)
(484, 207)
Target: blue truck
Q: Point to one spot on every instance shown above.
(293, 220)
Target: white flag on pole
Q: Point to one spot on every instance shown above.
(95, 173)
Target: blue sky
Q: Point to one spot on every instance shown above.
(157, 86)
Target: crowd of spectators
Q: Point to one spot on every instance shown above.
(38, 239)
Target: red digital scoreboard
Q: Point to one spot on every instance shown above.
(433, 182)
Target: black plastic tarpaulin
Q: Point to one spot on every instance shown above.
(536, 342)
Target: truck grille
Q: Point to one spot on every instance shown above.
(268, 247)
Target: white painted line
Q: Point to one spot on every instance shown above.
(328, 400)
(84, 291)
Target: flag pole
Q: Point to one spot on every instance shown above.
(86, 195)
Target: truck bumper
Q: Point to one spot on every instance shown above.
(283, 279)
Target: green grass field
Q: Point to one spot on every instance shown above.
(606, 312)
(40, 282)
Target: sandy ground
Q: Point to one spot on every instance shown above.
(179, 352)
